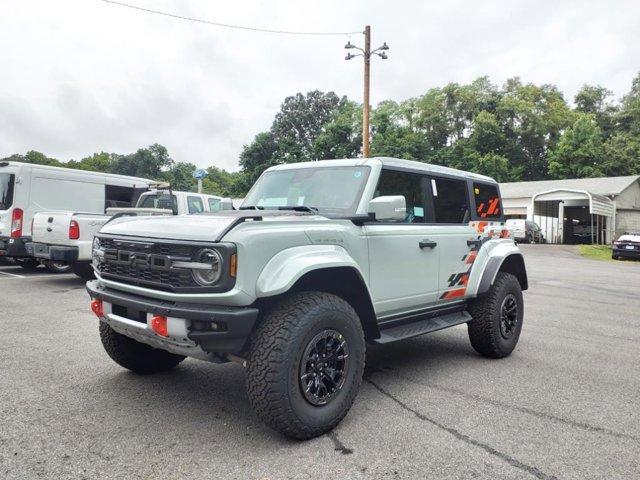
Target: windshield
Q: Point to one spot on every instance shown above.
(158, 200)
(330, 190)
(6, 190)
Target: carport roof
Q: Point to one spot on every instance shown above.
(599, 186)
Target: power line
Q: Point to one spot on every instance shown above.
(225, 25)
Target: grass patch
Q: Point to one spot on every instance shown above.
(596, 252)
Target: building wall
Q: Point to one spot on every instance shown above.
(630, 197)
(627, 221)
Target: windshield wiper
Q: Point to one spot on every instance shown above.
(299, 208)
(251, 207)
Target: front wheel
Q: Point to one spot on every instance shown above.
(497, 318)
(306, 361)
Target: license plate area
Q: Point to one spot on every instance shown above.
(40, 250)
(130, 313)
(630, 247)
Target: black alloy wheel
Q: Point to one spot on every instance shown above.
(323, 367)
(508, 316)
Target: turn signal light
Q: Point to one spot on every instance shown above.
(159, 325)
(97, 308)
(233, 265)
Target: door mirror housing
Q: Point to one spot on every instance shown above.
(390, 208)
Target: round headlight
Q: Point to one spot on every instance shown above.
(209, 269)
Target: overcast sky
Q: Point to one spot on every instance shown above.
(79, 76)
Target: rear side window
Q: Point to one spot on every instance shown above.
(214, 204)
(450, 202)
(487, 200)
(195, 204)
(7, 181)
(409, 185)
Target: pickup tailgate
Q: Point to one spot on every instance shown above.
(51, 228)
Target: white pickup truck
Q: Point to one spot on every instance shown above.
(66, 237)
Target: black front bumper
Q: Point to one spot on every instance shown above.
(14, 247)
(56, 253)
(623, 252)
(238, 322)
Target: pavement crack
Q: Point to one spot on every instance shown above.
(338, 445)
(536, 472)
(529, 411)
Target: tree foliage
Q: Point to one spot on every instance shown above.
(518, 131)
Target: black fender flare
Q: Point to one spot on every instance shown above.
(512, 263)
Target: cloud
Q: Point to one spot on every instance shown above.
(83, 76)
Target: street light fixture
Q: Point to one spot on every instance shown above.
(366, 53)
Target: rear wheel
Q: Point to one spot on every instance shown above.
(136, 356)
(305, 364)
(497, 318)
(83, 270)
(57, 267)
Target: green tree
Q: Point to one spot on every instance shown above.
(595, 101)
(579, 152)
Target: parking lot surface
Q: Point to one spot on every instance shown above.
(563, 405)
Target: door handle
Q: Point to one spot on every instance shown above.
(474, 243)
(427, 244)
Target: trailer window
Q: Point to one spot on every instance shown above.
(7, 181)
(487, 200)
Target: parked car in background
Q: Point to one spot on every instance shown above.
(626, 246)
(26, 189)
(525, 231)
(66, 237)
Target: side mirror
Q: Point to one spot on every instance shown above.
(390, 208)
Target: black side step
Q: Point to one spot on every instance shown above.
(420, 327)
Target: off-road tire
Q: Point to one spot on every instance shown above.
(57, 267)
(84, 270)
(275, 354)
(484, 330)
(136, 356)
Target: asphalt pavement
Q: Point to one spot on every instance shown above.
(564, 405)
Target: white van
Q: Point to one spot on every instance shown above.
(26, 189)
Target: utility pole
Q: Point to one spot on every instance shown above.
(367, 86)
(366, 106)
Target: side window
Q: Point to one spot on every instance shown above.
(410, 185)
(195, 204)
(487, 200)
(450, 203)
(214, 204)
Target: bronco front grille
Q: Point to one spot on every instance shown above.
(130, 262)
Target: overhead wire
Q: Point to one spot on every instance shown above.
(226, 25)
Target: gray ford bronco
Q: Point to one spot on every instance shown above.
(321, 259)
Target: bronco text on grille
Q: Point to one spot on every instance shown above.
(158, 264)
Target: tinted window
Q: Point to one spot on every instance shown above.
(450, 204)
(487, 200)
(214, 204)
(6, 190)
(410, 186)
(195, 205)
